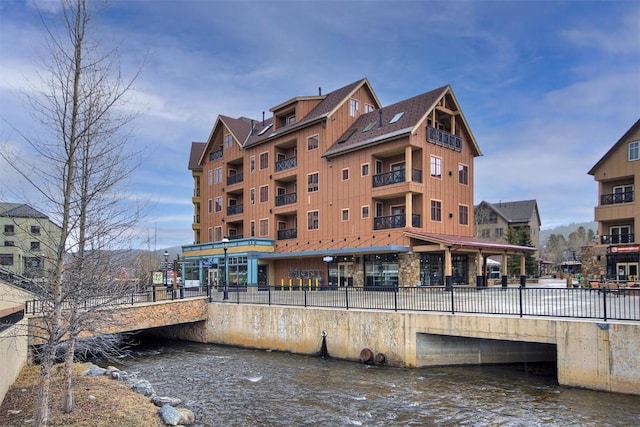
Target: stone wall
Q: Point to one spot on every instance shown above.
(594, 261)
(408, 269)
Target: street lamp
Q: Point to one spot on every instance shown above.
(225, 246)
(165, 265)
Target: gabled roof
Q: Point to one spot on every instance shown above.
(519, 211)
(19, 210)
(622, 140)
(376, 127)
(239, 128)
(469, 243)
(328, 106)
(197, 148)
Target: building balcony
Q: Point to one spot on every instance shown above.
(615, 198)
(395, 177)
(286, 199)
(235, 209)
(284, 164)
(395, 221)
(617, 239)
(444, 138)
(216, 155)
(290, 233)
(235, 178)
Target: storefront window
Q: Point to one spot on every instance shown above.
(381, 271)
(431, 266)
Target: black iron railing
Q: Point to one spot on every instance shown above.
(235, 209)
(285, 164)
(235, 178)
(613, 239)
(286, 199)
(615, 198)
(582, 303)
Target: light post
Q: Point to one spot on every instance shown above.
(165, 267)
(225, 246)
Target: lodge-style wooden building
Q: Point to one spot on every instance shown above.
(337, 190)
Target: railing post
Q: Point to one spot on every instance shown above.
(181, 292)
(520, 298)
(269, 291)
(153, 292)
(305, 296)
(453, 311)
(604, 302)
(133, 295)
(209, 291)
(395, 297)
(346, 297)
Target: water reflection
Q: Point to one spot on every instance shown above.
(228, 386)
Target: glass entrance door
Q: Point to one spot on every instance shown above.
(344, 274)
(627, 271)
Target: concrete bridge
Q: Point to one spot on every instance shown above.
(590, 353)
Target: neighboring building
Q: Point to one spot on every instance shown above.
(29, 240)
(493, 220)
(618, 210)
(336, 189)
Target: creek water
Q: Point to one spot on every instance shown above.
(228, 386)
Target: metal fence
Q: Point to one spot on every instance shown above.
(603, 304)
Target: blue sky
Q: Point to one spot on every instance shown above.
(546, 86)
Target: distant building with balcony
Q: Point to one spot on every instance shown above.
(494, 220)
(618, 211)
(29, 240)
(333, 189)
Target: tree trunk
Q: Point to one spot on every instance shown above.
(68, 376)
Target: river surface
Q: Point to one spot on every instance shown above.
(227, 386)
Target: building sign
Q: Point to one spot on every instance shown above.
(622, 249)
(157, 277)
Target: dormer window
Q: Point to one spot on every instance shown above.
(354, 107)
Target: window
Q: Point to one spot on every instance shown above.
(217, 178)
(499, 232)
(354, 107)
(264, 160)
(35, 229)
(436, 210)
(210, 175)
(312, 142)
(463, 174)
(312, 182)
(218, 234)
(252, 164)
(6, 259)
(264, 194)
(365, 169)
(266, 128)
(365, 212)
(368, 108)
(345, 174)
(312, 220)
(8, 229)
(463, 215)
(370, 126)
(291, 119)
(622, 193)
(252, 226)
(210, 205)
(436, 167)
(252, 196)
(264, 227)
(228, 140)
(9, 243)
(218, 204)
(634, 150)
(35, 246)
(345, 214)
(485, 233)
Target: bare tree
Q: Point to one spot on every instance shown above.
(84, 168)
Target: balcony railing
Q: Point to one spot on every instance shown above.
(612, 199)
(616, 239)
(441, 137)
(396, 176)
(395, 221)
(286, 199)
(289, 233)
(235, 209)
(216, 155)
(235, 178)
(285, 164)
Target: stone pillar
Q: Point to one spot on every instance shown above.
(408, 269)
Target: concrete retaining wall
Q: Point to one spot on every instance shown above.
(589, 354)
(13, 351)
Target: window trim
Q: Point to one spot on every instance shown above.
(362, 169)
(260, 188)
(342, 215)
(362, 213)
(633, 146)
(317, 189)
(435, 166)
(266, 163)
(464, 172)
(438, 217)
(317, 220)
(317, 142)
(460, 214)
(342, 174)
